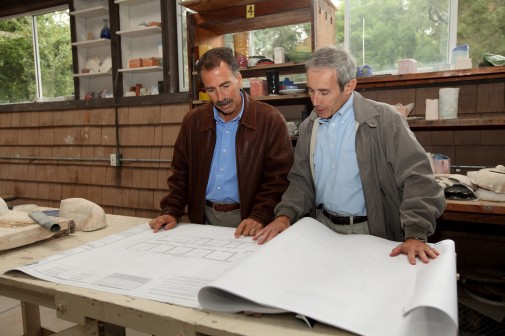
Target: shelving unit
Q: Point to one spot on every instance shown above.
(474, 76)
(140, 38)
(140, 32)
(131, 2)
(142, 69)
(91, 12)
(93, 74)
(458, 123)
(208, 25)
(102, 42)
(435, 77)
(89, 21)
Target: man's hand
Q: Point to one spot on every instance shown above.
(248, 227)
(278, 225)
(166, 221)
(415, 248)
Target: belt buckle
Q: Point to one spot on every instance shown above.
(221, 207)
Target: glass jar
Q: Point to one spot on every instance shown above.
(105, 32)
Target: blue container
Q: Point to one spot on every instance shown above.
(364, 71)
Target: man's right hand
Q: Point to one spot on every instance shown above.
(164, 221)
(278, 225)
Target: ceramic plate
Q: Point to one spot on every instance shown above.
(292, 91)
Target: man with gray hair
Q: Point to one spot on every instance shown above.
(358, 168)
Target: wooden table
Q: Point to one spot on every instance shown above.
(475, 211)
(89, 308)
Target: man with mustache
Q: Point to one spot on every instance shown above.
(358, 168)
(231, 157)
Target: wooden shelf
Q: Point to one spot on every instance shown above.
(260, 70)
(140, 32)
(272, 98)
(92, 43)
(283, 97)
(131, 2)
(207, 26)
(452, 123)
(142, 69)
(486, 207)
(91, 12)
(267, 14)
(93, 74)
(283, 69)
(429, 78)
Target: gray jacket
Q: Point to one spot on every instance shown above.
(402, 197)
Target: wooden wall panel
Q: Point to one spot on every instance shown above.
(51, 155)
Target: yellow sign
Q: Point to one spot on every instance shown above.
(249, 13)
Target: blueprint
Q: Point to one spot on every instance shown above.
(347, 281)
(168, 266)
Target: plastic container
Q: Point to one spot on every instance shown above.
(287, 84)
(448, 103)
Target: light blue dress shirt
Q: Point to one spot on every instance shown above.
(222, 186)
(338, 184)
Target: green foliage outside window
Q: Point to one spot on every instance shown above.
(386, 30)
(17, 65)
(17, 69)
(55, 52)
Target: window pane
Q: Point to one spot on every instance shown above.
(481, 25)
(385, 31)
(291, 38)
(17, 69)
(53, 31)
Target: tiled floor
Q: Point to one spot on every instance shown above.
(10, 318)
(11, 324)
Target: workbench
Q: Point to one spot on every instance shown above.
(95, 311)
(475, 211)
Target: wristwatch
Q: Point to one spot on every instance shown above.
(415, 238)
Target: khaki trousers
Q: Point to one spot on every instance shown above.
(222, 218)
(354, 228)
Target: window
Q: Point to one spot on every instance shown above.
(381, 32)
(36, 57)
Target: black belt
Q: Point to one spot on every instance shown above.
(344, 220)
(223, 207)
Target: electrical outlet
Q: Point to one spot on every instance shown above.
(115, 160)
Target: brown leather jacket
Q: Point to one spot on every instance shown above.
(264, 158)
